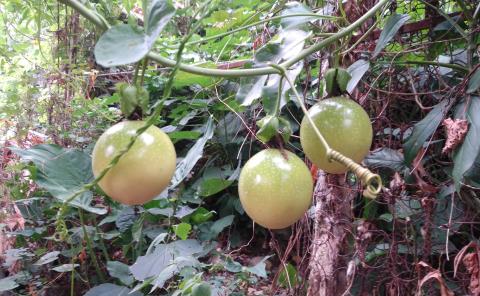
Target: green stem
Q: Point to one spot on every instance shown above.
(243, 72)
(90, 247)
(135, 75)
(264, 21)
(430, 63)
(145, 63)
(102, 245)
(279, 97)
(72, 278)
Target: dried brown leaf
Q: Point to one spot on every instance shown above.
(456, 129)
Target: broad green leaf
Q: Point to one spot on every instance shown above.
(213, 186)
(474, 82)
(183, 79)
(472, 176)
(357, 70)
(464, 157)
(62, 172)
(154, 263)
(194, 154)
(111, 290)
(424, 129)
(182, 230)
(120, 271)
(121, 45)
(393, 24)
(125, 219)
(232, 265)
(385, 158)
(137, 229)
(298, 21)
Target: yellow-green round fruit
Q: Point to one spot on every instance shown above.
(345, 126)
(275, 189)
(143, 172)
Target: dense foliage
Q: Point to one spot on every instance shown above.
(226, 80)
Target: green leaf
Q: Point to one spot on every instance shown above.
(213, 186)
(298, 21)
(464, 157)
(184, 135)
(120, 271)
(48, 258)
(111, 290)
(137, 229)
(194, 154)
(121, 45)
(65, 267)
(288, 277)
(201, 215)
(62, 172)
(8, 283)
(154, 263)
(424, 129)
(474, 82)
(356, 71)
(259, 268)
(284, 45)
(210, 230)
(268, 128)
(159, 13)
(393, 24)
(182, 230)
(385, 158)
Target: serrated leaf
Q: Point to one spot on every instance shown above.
(194, 154)
(385, 158)
(393, 24)
(182, 230)
(424, 129)
(111, 290)
(357, 70)
(62, 172)
(120, 271)
(474, 82)
(464, 157)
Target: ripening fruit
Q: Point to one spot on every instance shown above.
(143, 172)
(275, 191)
(345, 126)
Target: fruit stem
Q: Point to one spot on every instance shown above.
(373, 181)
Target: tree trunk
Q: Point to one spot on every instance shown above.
(332, 223)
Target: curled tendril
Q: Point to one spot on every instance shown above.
(61, 230)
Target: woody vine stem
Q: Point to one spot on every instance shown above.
(372, 181)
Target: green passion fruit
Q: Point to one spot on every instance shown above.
(275, 188)
(143, 172)
(345, 126)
